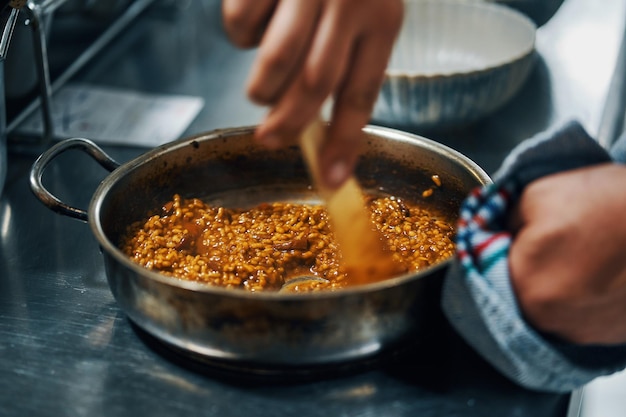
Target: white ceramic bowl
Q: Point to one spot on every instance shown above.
(454, 63)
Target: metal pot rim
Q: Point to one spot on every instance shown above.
(102, 191)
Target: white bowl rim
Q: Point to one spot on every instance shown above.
(507, 11)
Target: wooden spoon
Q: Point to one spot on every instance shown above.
(361, 246)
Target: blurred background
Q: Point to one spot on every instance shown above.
(133, 74)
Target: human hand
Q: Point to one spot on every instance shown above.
(568, 258)
(308, 51)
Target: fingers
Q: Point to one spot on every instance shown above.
(347, 57)
(353, 106)
(245, 20)
(313, 49)
(320, 74)
(283, 48)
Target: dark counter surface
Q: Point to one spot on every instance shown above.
(66, 348)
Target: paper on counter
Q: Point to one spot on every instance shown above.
(115, 116)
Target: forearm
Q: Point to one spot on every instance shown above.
(486, 303)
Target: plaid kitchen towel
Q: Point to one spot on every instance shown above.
(478, 299)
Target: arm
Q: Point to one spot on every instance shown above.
(541, 297)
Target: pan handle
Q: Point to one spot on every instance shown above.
(36, 172)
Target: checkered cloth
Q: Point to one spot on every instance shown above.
(478, 299)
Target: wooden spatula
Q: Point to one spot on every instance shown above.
(361, 246)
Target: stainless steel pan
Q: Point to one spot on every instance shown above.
(264, 329)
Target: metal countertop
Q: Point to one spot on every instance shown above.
(66, 348)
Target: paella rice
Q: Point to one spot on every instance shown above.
(263, 247)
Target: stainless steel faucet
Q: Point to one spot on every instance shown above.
(9, 12)
(8, 19)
